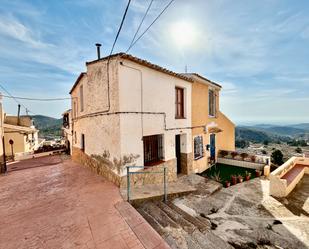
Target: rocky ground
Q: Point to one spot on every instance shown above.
(243, 216)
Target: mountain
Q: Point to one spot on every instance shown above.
(251, 134)
(48, 126)
(304, 126)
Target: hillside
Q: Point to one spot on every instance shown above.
(48, 126)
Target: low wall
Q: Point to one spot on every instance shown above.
(278, 187)
(238, 163)
(28, 155)
(104, 170)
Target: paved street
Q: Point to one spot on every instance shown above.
(64, 205)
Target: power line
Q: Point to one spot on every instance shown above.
(120, 27)
(35, 99)
(112, 49)
(140, 25)
(19, 103)
(165, 8)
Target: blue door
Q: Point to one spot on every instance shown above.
(213, 146)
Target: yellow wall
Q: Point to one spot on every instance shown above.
(224, 140)
(19, 143)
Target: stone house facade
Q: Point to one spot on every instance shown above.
(128, 111)
(126, 115)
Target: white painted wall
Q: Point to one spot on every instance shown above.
(156, 93)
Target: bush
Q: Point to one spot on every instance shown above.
(264, 152)
(298, 150)
(277, 157)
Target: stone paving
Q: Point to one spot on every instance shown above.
(246, 216)
(64, 205)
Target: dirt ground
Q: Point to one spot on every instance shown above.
(247, 217)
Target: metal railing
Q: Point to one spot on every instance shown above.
(164, 172)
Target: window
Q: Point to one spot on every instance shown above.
(198, 147)
(81, 96)
(179, 103)
(82, 142)
(153, 149)
(212, 103)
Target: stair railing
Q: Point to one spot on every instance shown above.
(164, 172)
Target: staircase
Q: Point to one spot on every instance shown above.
(179, 229)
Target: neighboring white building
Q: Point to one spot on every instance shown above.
(130, 119)
(67, 129)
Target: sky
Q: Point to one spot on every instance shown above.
(257, 50)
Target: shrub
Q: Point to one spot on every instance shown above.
(277, 157)
(298, 150)
(264, 152)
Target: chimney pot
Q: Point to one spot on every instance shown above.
(98, 45)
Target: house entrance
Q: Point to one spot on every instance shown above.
(213, 146)
(178, 153)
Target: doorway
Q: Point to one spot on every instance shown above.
(178, 153)
(213, 146)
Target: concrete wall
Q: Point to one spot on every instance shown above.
(142, 89)
(200, 117)
(102, 132)
(278, 187)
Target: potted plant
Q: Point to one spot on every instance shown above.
(223, 153)
(234, 154)
(227, 184)
(233, 179)
(247, 176)
(243, 156)
(257, 173)
(253, 158)
(240, 178)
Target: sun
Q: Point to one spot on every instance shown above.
(183, 33)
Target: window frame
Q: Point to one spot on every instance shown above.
(212, 103)
(153, 149)
(179, 103)
(198, 144)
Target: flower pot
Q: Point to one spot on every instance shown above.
(257, 173)
(234, 180)
(247, 178)
(240, 180)
(227, 184)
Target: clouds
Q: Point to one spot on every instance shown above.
(257, 50)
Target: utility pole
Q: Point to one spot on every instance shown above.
(18, 114)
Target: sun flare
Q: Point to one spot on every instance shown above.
(183, 33)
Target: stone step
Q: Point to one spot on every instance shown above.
(159, 215)
(156, 226)
(185, 225)
(203, 226)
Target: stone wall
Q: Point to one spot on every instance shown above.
(105, 170)
(98, 167)
(186, 163)
(148, 178)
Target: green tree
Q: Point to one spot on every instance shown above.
(264, 152)
(298, 150)
(277, 157)
(265, 142)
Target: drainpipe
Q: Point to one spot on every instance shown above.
(142, 103)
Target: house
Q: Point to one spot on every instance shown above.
(128, 111)
(67, 130)
(20, 135)
(212, 131)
